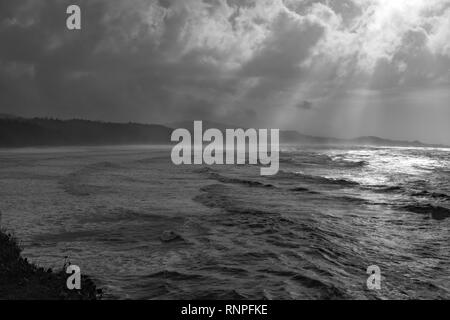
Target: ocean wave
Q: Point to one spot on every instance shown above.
(434, 212)
(242, 212)
(104, 214)
(315, 288)
(322, 160)
(307, 158)
(221, 178)
(340, 162)
(354, 200)
(230, 294)
(214, 196)
(433, 195)
(288, 175)
(75, 187)
(326, 291)
(383, 189)
(174, 275)
(219, 201)
(74, 184)
(304, 190)
(413, 193)
(180, 284)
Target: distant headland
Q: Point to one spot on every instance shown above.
(16, 132)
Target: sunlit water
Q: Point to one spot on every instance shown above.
(309, 232)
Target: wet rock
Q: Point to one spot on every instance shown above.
(169, 236)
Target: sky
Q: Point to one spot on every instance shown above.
(341, 68)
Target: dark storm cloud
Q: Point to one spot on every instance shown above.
(305, 105)
(248, 61)
(36, 38)
(109, 70)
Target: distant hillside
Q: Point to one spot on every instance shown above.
(189, 125)
(19, 132)
(287, 136)
(376, 141)
(295, 137)
(7, 116)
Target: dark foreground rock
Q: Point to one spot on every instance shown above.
(21, 280)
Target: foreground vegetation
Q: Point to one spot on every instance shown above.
(22, 280)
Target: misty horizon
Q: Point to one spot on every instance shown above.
(221, 126)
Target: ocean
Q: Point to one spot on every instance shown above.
(144, 228)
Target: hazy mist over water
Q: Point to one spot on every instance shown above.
(145, 228)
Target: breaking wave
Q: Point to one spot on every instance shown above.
(434, 212)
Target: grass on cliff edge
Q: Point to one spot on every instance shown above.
(22, 280)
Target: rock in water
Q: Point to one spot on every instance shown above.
(169, 236)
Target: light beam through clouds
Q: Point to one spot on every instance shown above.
(367, 67)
